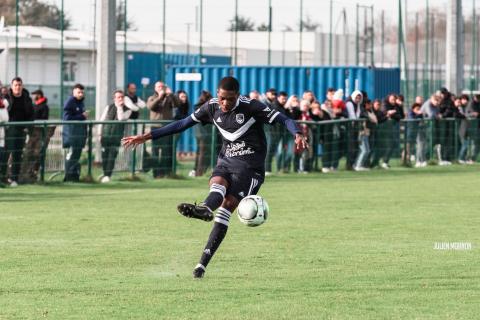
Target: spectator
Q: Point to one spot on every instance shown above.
(183, 105)
(3, 151)
(74, 135)
(331, 94)
(332, 135)
(20, 108)
(304, 155)
(278, 136)
(33, 149)
(419, 100)
(3, 92)
(269, 99)
(203, 135)
(473, 112)
(309, 96)
(393, 109)
(112, 133)
(292, 108)
(133, 102)
(162, 105)
(370, 121)
(463, 129)
(431, 113)
(254, 94)
(447, 136)
(377, 135)
(353, 107)
(417, 135)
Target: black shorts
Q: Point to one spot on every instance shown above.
(240, 184)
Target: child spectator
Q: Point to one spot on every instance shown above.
(364, 134)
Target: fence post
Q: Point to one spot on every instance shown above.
(455, 139)
(134, 150)
(174, 154)
(90, 151)
(431, 124)
(347, 138)
(318, 133)
(406, 154)
(43, 152)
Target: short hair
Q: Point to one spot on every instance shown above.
(17, 79)
(130, 84)
(465, 97)
(118, 91)
(272, 90)
(229, 84)
(283, 94)
(78, 86)
(39, 92)
(401, 97)
(331, 89)
(416, 105)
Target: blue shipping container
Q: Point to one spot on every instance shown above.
(294, 80)
(148, 64)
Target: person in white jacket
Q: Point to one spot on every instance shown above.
(112, 133)
(3, 152)
(353, 106)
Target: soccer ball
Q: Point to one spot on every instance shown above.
(253, 211)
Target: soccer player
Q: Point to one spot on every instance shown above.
(240, 169)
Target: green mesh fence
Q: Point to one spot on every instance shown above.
(45, 151)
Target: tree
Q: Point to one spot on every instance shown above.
(34, 13)
(120, 17)
(244, 24)
(262, 27)
(310, 25)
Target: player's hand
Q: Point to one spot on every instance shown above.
(133, 141)
(301, 141)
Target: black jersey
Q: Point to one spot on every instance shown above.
(244, 143)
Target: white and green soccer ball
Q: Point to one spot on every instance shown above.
(253, 211)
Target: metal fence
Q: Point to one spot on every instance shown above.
(44, 150)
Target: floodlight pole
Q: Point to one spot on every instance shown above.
(16, 36)
(200, 53)
(162, 74)
(269, 32)
(300, 50)
(235, 52)
(61, 53)
(125, 55)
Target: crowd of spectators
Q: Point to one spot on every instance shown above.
(365, 132)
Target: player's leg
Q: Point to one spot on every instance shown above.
(204, 211)
(219, 230)
(242, 185)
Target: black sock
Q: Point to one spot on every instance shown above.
(216, 237)
(215, 197)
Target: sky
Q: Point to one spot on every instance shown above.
(147, 14)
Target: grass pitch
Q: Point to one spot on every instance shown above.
(342, 246)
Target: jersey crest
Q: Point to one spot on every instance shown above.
(240, 118)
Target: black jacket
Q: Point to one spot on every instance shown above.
(399, 113)
(40, 109)
(20, 111)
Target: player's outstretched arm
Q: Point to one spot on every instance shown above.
(169, 129)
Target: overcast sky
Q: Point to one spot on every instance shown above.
(147, 14)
